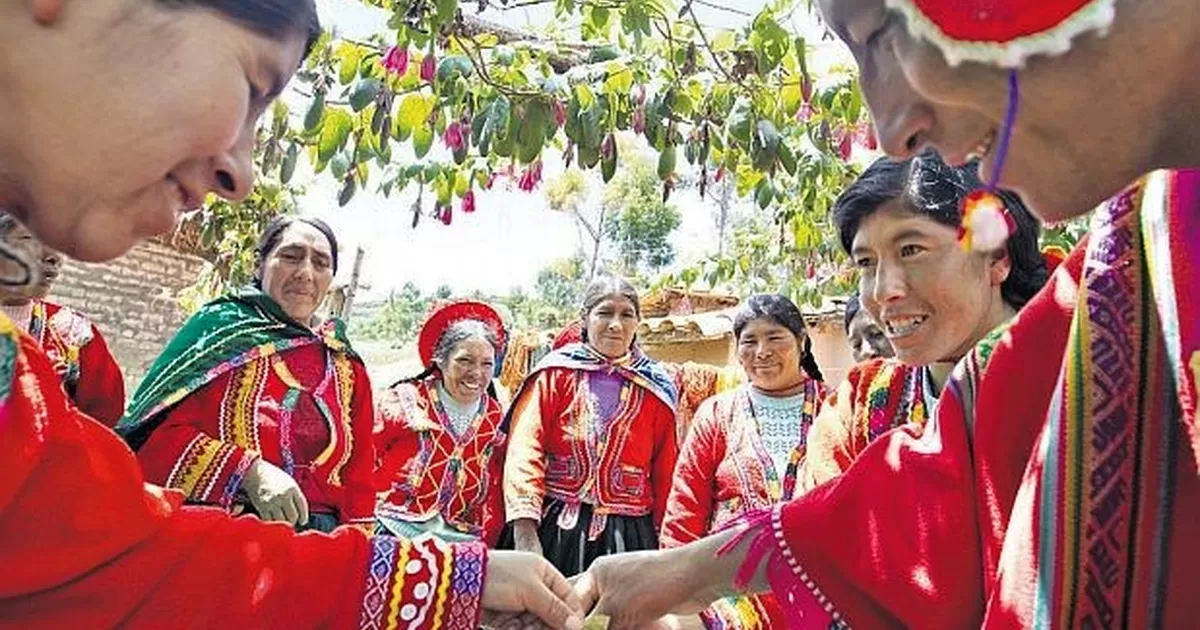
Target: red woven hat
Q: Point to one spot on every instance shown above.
(1003, 32)
(445, 315)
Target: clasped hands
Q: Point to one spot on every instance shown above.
(625, 591)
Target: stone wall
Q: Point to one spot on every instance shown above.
(133, 300)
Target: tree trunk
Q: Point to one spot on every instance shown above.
(352, 288)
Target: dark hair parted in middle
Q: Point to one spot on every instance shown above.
(779, 309)
(276, 19)
(273, 233)
(928, 187)
(853, 306)
(604, 287)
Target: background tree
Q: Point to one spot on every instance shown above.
(396, 321)
(638, 220)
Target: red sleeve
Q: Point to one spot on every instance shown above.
(132, 557)
(100, 391)
(666, 451)
(359, 508)
(693, 489)
(912, 532)
(525, 465)
(183, 452)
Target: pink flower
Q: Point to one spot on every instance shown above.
(468, 202)
(720, 174)
(491, 180)
(531, 177)
(804, 113)
(608, 147)
(428, 67)
(872, 137)
(639, 119)
(396, 60)
(444, 214)
(453, 137)
(560, 113)
(845, 142)
(806, 89)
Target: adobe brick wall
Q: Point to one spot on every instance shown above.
(133, 300)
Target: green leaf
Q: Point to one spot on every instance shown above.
(364, 94)
(791, 97)
(787, 158)
(764, 194)
(765, 148)
(289, 163)
(452, 67)
(350, 58)
(504, 55)
(422, 138)
(316, 111)
(347, 193)
(620, 79)
(770, 42)
(739, 123)
(603, 53)
(414, 112)
(532, 124)
(339, 165)
(666, 162)
(498, 114)
(585, 96)
(334, 133)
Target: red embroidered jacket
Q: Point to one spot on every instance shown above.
(86, 543)
(553, 451)
(724, 472)
(82, 360)
(207, 441)
(423, 469)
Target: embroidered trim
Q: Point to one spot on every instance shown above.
(199, 467)
(238, 424)
(1097, 16)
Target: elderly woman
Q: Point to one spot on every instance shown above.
(866, 338)
(439, 447)
(257, 402)
(159, 101)
(934, 300)
(1057, 484)
(592, 442)
(70, 340)
(745, 445)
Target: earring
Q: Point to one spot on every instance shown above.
(986, 222)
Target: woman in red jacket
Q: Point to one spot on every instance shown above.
(437, 435)
(257, 403)
(592, 446)
(72, 342)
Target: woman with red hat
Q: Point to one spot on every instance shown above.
(1056, 485)
(438, 443)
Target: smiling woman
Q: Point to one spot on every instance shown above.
(745, 446)
(934, 300)
(439, 447)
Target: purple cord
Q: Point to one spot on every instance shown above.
(1010, 117)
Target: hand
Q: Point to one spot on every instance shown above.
(518, 582)
(274, 494)
(525, 536)
(639, 589)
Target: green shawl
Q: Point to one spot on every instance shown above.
(225, 334)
